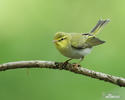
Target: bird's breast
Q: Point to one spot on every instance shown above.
(73, 53)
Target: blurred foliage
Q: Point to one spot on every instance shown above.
(27, 28)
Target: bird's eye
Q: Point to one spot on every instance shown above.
(61, 39)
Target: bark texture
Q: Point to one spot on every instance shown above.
(61, 66)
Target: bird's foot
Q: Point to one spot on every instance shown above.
(65, 63)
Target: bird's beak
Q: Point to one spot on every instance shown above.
(55, 41)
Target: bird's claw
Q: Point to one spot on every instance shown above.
(65, 64)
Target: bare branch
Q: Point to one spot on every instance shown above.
(69, 67)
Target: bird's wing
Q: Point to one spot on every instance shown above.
(81, 41)
(93, 41)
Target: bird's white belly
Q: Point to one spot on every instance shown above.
(76, 53)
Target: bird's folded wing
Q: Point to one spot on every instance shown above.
(93, 41)
(85, 41)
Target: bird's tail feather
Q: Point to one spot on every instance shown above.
(99, 26)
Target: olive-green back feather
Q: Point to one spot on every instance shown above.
(78, 40)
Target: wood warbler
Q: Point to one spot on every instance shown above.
(78, 45)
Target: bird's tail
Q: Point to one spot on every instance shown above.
(99, 26)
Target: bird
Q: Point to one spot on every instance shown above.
(78, 45)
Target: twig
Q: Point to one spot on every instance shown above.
(69, 67)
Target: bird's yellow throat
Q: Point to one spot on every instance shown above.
(62, 44)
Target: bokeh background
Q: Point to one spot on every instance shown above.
(27, 28)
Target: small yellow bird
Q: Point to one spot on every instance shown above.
(78, 45)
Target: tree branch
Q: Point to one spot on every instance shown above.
(69, 67)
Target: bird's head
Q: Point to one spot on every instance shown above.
(61, 39)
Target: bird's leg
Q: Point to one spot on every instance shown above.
(78, 64)
(81, 59)
(65, 63)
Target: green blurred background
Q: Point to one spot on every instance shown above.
(27, 28)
